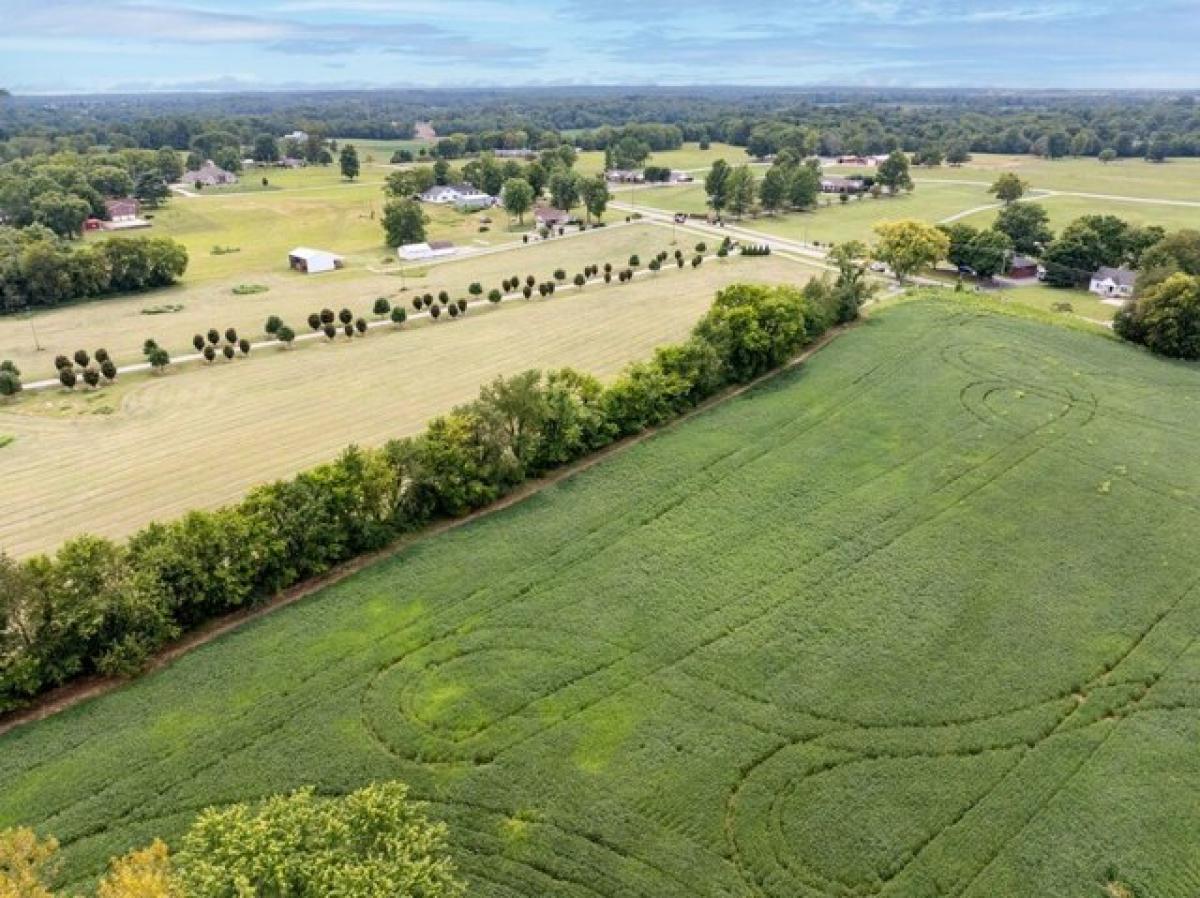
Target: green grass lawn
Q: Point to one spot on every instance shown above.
(1083, 304)
(831, 222)
(1178, 179)
(307, 207)
(918, 618)
(1065, 209)
(379, 152)
(687, 157)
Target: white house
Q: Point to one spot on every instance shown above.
(313, 261)
(412, 252)
(209, 175)
(463, 196)
(1115, 283)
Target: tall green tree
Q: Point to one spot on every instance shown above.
(403, 222)
(564, 190)
(908, 245)
(595, 196)
(893, 172)
(1009, 187)
(1027, 225)
(715, 185)
(741, 191)
(348, 162)
(518, 197)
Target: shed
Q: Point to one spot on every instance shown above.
(313, 261)
(1022, 267)
(434, 249)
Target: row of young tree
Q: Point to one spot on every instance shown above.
(39, 269)
(98, 607)
(371, 842)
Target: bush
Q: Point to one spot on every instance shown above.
(274, 323)
(314, 322)
(360, 325)
(382, 307)
(1166, 319)
(249, 289)
(495, 295)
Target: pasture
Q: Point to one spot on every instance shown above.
(317, 208)
(120, 325)
(832, 221)
(1177, 179)
(688, 157)
(1064, 209)
(918, 618)
(110, 461)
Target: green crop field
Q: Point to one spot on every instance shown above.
(919, 618)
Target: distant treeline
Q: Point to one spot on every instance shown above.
(102, 607)
(829, 121)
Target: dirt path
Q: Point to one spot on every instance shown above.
(76, 693)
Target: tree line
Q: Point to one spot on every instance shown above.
(828, 121)
(62, 190)
(99, 607)
(39, 269)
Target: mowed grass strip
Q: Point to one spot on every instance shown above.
(920, 615)
(201, 436)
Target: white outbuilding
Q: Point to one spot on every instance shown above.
(313, 261)
(434, 249)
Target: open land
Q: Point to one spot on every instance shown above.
(916, 618)
(151, 448)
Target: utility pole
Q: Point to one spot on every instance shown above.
(36, 342)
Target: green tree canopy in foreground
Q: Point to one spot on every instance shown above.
(373, 843)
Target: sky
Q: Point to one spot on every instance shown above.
(71, 46)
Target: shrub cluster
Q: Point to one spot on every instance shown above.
(100, 607)
(37, 269)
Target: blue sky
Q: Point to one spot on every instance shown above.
(101, 45)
